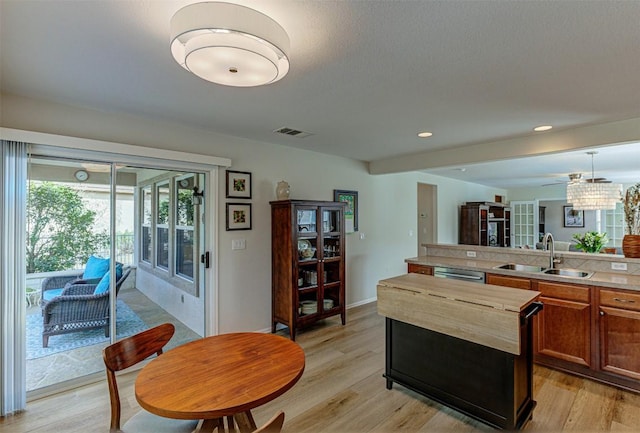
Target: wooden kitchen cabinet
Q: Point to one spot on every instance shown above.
(309, 287)
(619, 331)
(563, 328)
(505, 281)
(419, 269)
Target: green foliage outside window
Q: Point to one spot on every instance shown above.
(60, 229)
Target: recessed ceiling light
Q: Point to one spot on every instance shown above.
(542, 128)
(425, 134)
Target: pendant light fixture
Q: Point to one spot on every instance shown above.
(593, 194)
(229, 44)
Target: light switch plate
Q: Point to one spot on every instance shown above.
(238, 244)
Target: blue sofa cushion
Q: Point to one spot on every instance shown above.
(96, 267)
(103, 285)
(48, 295)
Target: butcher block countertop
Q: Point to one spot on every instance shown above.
(480, 313)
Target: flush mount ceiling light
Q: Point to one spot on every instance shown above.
(425, 134)
(593, 194)
(229, 44)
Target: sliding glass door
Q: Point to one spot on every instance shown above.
(112, 250)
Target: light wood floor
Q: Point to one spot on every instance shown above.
(342, 390)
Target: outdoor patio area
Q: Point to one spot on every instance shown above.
(68, 361)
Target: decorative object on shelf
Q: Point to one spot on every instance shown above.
(351, 211)
(593, 194)
(591, 242)
(573, 217)
(238, 184)
(282, 190)
(238, 216)
(631, 240)
(229, 44)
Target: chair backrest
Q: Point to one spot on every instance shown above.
(130, 351)
(274, 425)
(121, 280)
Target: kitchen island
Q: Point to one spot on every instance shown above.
(465, 345)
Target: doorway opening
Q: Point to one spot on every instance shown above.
(427, 216)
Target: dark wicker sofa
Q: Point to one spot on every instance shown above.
(77, 307)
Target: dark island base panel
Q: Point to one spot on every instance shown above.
(489, 385)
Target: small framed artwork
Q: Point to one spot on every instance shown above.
(573, 217)
(238, 216)
(238, 184)
(351, 211)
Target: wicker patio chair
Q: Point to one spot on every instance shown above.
(77, 308)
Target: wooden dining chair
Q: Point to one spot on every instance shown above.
(274, 425)
(126, 353)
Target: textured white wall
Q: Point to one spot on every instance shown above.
(387, 203)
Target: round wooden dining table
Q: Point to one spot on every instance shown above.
(225, 375)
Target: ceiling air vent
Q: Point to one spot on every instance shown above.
(292, 132)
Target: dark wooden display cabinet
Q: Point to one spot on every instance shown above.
(308, 262)
(487, 224)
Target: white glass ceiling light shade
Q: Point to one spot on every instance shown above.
(593, 195)
(229, 44)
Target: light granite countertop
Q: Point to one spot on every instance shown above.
(598, 279)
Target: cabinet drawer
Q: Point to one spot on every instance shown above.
(564, 291)
(515, 282)
(420, 269)
(618, 299)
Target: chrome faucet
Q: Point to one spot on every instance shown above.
(545, 241)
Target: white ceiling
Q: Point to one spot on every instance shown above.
(365, 78)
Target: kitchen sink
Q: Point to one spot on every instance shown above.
(518, 267)
(570, 273)
(573, 273)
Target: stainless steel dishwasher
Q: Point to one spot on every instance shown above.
(459, 274)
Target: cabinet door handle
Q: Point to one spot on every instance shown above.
(626, 301)
(602, 313)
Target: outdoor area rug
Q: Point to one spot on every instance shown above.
(128, 323)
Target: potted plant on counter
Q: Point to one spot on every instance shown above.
(631, 240)
(591, 242)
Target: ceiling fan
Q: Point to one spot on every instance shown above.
(577, 177)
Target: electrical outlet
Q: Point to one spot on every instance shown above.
(362, 236)
(471, 253)
(618, 266)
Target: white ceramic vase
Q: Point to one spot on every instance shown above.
(282, 190)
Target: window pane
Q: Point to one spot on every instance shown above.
(163, 204)
(184, 206)
(146, 206)
(184, 253)
(146, 224)
(162, 253)
(146, 244)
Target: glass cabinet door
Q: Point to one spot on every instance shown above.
(331, 233)
(308, 260)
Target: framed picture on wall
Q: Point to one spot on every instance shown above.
(238, 216)
(351, 211)
(573, 217)
(238, 184)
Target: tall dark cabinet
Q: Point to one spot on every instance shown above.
(485, 223)
(307, 262)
